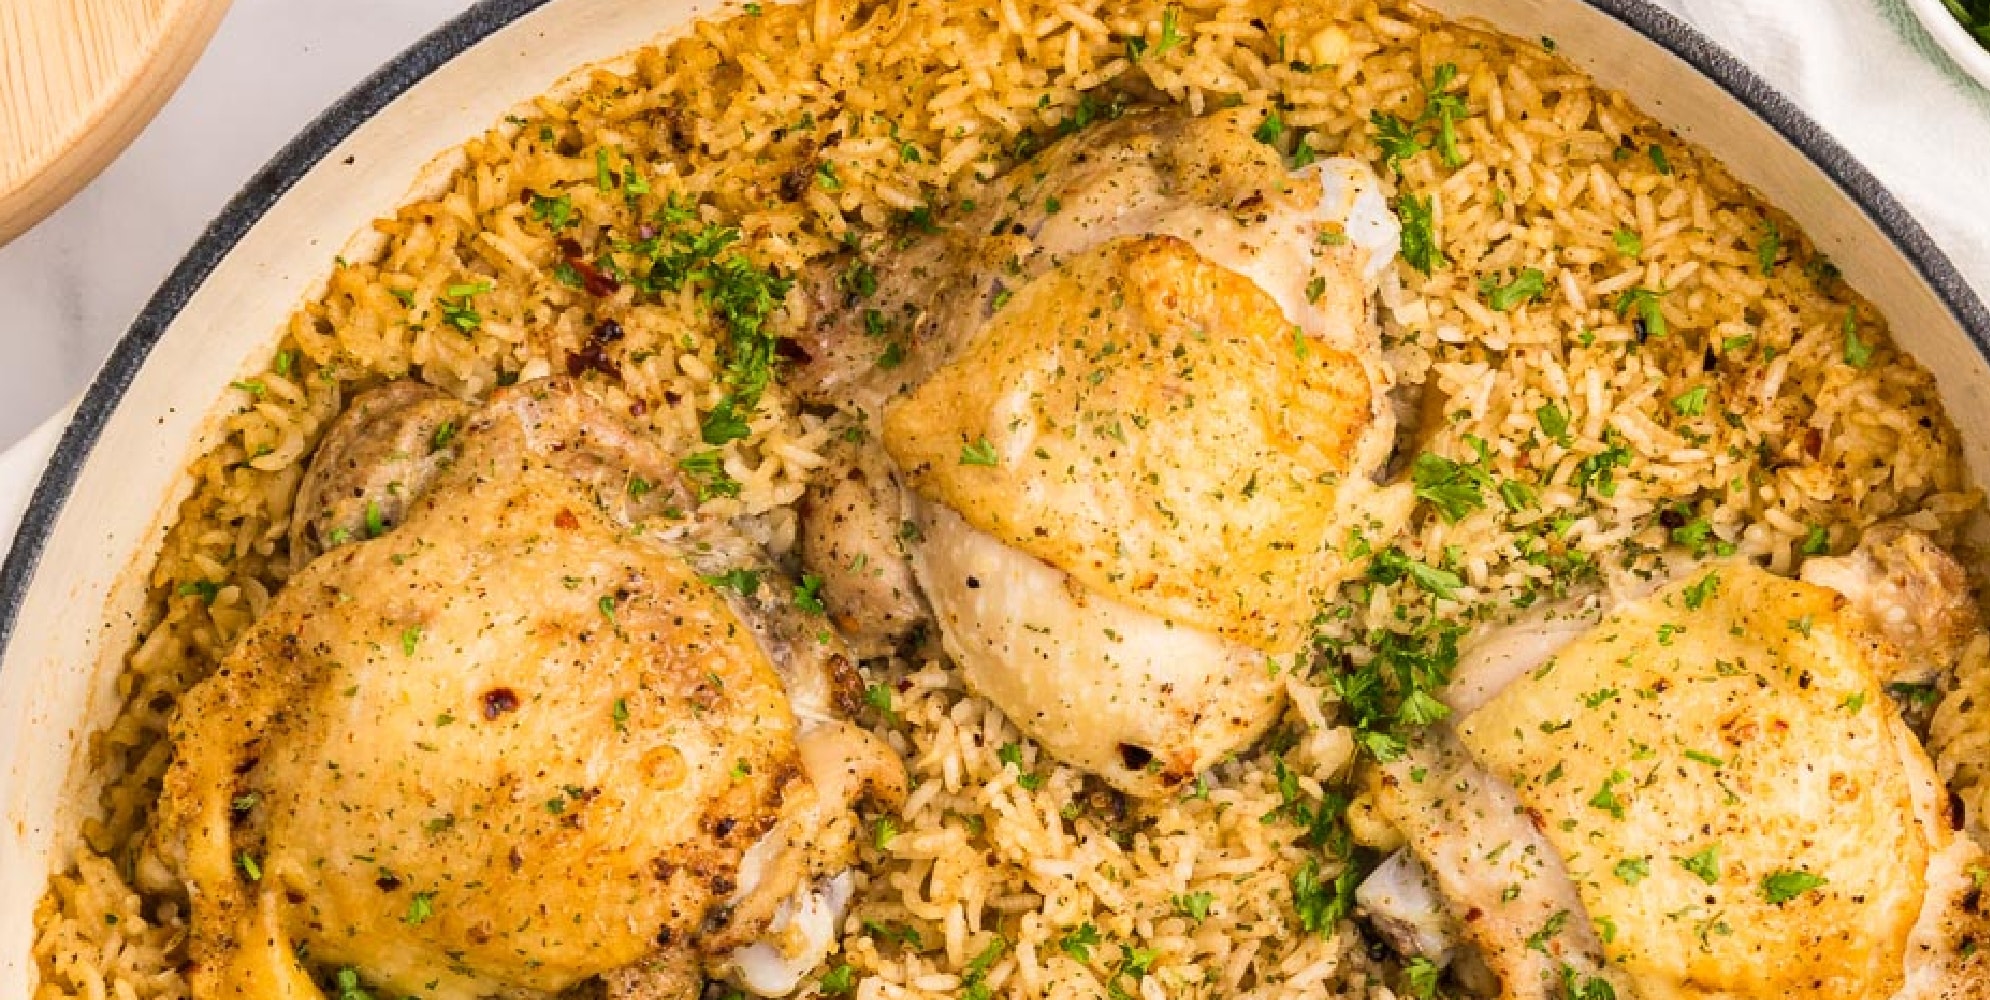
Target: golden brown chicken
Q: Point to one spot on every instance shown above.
(1137, 404)
(1706, 794)
(504, 737)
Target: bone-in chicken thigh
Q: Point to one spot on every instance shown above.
(1135, 402)
(502, 736)
(1706, 794)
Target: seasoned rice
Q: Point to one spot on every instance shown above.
(1694, 374)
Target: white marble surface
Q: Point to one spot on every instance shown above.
(70, 286)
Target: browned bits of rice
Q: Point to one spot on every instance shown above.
(1692, 373)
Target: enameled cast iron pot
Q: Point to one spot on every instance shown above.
(74, 580)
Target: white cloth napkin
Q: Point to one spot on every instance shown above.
(1870, 74)
(1864, 69)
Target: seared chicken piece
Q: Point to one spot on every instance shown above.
(1910, 591)
(512, 739)
(1138, 399)
(853, 536)
(1707, 794)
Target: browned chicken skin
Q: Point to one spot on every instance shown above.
(1136, 402)
(853, 535)
(504, 736)
(1709, 785)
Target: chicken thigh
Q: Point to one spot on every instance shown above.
(1706, 794)
(503, 736)
(1137, 402)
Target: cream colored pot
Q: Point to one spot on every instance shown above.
(73, 582)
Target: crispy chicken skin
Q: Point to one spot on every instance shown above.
(1137, 400)
(511, 743)
(1714, 775)
(1153, 430)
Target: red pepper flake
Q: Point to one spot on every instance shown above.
(593, 279)
(566, 520)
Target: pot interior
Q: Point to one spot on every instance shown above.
(157, 405)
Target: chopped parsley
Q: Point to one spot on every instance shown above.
(724, 423)
(1554, 422)
(1575, 986)
(1525, 287)
(1079, 942)
(1453, 488)
(904, 934)
(1628, 243)
(556, 213)
(878, 697)
(1322, 904)
(1858, 353)
(825, 177)
(1550, 929)
(1271, 129)
(808, 594)
(1692, 402)
(1402, 140)
(1394, 692)
(980, 452)
(744, 296)
(1171, 34)
(1769, 247)
(1598, 471)
(420, 908)
(707, 469)
(1606, 797)
(206, 590)
(1419, 240)
(1704, 863)
(1446, 108)
(1012, 755)
(1697, 592)
(1398, 141)
(1421, 975)
(1631, 871)
(973, 985)
(1518, 496)
(838, 981)
(744, 582)
(1194, 905)
(1650, 319)
(1391, 565)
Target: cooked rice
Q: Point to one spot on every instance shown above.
(917, 104)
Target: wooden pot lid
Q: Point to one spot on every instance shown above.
(78, 79)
